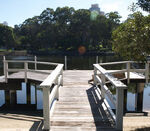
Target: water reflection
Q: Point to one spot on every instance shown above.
(131, 97)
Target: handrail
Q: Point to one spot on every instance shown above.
(107, 75)
(25, 69)
(120, 62)
(53, 82)
(100, 79)
(52, 77)
(38, 62)
(50, 85)
(112, 63)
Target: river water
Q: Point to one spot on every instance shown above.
(73, 62)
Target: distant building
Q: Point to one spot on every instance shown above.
(5, 23)
(95, 7)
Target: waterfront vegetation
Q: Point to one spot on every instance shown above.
(62, 30)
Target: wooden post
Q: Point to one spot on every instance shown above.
(7, 97)
(13, 97)
(146, 72)
(35, 95)
(96, 59)
(4, 59)
(94, 77)
(139, 97)
(119, 108)
(5, 64)
(102, 89)
(57, 92)
(46, 108)
(65, 62)
(26, 70)
(125, 101)
(61, 73)
(128, 72)
(28, 90)
(35, 64)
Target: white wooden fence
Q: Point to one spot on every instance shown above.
(100, 77)
(25, 69)
(50, 85)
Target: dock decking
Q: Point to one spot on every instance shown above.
(78, 107)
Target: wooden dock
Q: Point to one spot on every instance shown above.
(79, 108)
(70, 103)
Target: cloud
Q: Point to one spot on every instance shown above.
(112, 6)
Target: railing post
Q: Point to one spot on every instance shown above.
(94, 77)
(5, 64)
(61, 73)
(25, 71)
(147, 71)
(119, 108)
(35, 64)
(103, 83)
(65, 62)
(96, 59)
(46, 108)
(128, 72)
(57, 92)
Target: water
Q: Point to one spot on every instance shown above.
(73, 62)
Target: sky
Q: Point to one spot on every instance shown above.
(17, 11)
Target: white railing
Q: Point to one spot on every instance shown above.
(128, 69)
(52, 82)
(50, 85)
(100, 77)
(25, 69)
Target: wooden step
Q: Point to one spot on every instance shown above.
(73, 114)
(81, 119)
(102, 124)
(78, 128)
(74, 93)
(78, 99)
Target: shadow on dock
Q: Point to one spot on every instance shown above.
(102, 118)
(33, 120)
(143, 129)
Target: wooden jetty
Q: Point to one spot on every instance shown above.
(69, 101)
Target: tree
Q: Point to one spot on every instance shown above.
(6, 37)
(131, 39)
(114, 17)
(66, 29)
(144, 4)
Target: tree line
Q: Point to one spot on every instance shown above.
(132, 38)
(64, 30)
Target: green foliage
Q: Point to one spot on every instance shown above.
(6, 37)
(144, 4)
(114, 17)
(131, 39)
(66, 29)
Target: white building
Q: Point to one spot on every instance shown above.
(5, 23)
(95, 7)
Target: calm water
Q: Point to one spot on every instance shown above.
(73, 62)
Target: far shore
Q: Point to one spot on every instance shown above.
(62, 53)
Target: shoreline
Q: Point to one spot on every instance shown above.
(57, 53)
